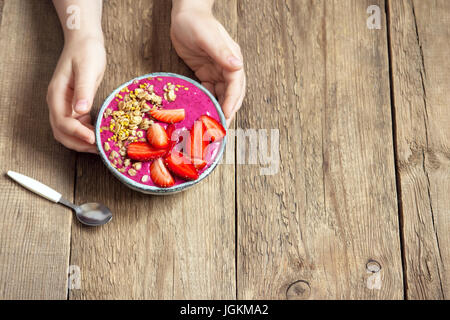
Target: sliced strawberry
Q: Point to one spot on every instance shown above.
(199, 164)
(170, 134)
(181, 166)
(214, 130)
(142, 151)
(160, 175)
(157, 136)
(168, 115)
(210, 152)
(195, 145)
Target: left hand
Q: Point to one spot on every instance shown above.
(207, 48)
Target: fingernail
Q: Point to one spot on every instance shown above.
(81, 106)
(235, 62)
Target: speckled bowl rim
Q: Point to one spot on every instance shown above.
(153, 189)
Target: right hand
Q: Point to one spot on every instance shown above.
(207, 48)
(71, 92)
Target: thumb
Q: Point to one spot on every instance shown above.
(85, 86)
(216, 46)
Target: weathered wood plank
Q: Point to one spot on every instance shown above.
(420, 33)
(179, 246)
(34, 233)
(2, 3)
(321, 77)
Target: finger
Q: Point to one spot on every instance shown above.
(228, 121)
(87, 123)
(61, 115)
(73, 127)
(220, 92)
(209, 72)
(238, 105)
(85, 85)
(59, 96)
(233, 114)
(86, 120)
(219, 49)
(234, 90)
(74, 143)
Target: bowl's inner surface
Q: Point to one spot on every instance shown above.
(114, 135)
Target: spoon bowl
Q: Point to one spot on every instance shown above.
(93, 214)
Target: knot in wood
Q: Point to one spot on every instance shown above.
(298, 290)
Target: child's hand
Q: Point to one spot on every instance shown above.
(207, 48)
(71, 92)
(78, 73)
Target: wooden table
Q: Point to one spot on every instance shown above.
(359, 208)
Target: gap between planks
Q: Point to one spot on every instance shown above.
(395, 149)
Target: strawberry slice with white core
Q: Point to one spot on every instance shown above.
(181, 166)
(168, 115)
(210, 153)
(199, 164)
(157, 136)
(171, 134)
(196, 145)
(142, 151)
(160, 175)
(214, 130)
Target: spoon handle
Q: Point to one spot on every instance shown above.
(35, 186)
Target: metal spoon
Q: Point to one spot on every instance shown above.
(91, 214)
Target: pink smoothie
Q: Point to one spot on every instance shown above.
(195, 102)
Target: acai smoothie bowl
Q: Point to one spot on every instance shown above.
(161, 133)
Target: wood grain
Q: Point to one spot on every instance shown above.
(420, 33)
(324, 227)
(320, 76)
(173, 247)
(2, 3)
(34, 233)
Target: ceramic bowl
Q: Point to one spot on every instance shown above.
(154, 189)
